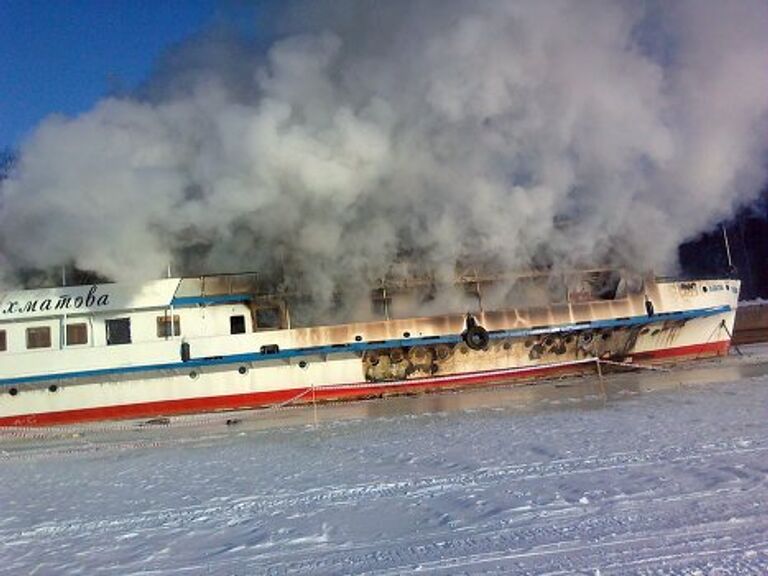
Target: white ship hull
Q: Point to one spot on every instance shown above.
(327, 363)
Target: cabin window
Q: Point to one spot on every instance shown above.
(39, 337)
(3, 341)
(168, 326)
(118, 331)
(268, 318)
(77, 334)
(237, 324)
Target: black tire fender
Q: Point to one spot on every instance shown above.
(586, 340)
(476, 337)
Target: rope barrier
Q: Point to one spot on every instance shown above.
(635, 365)
(735, 347)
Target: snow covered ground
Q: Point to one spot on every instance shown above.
(643, 474)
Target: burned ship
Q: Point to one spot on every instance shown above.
(199, 344)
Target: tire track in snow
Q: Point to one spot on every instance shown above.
(541, 536)
(327, 496)
(693, 499)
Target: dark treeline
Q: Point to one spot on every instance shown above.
(748, 240)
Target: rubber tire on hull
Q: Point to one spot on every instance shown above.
(476, 337)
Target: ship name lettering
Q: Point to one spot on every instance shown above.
(90, 299)
(64, 302)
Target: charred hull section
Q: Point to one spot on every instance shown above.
(444, 359)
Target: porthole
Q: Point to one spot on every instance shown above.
(303, 364)
(506, 346)
(727, 287)
(13, 391)
(406, 334)
(242, 370)
(358, 338)
(193, 374)
(704, 288)
(53, 388)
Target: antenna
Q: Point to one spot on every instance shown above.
(731, 269)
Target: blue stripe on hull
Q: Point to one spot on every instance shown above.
(378, 345)
(187, 301)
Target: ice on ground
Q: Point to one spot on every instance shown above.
(652, 474)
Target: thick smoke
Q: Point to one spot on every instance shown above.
(520, 133)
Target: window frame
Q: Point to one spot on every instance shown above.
(232, 319)
(108, 322)
(42, 330)
(75, 325)
(164, 322)
(272, 313)
(3, 340)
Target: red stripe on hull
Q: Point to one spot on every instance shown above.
(683, 352)
(333, 393)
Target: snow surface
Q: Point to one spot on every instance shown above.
(642, 474)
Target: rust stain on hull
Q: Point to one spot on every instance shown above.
(403, 363)
(511, 319)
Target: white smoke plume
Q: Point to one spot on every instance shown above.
(527, 133)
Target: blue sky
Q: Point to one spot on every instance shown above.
(61, 56)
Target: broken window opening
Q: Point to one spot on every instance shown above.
(237, 324)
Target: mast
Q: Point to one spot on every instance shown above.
(731, 269)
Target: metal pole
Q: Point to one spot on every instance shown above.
(479, 296)
(600, 377)
(314, 404)
(727, 248)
